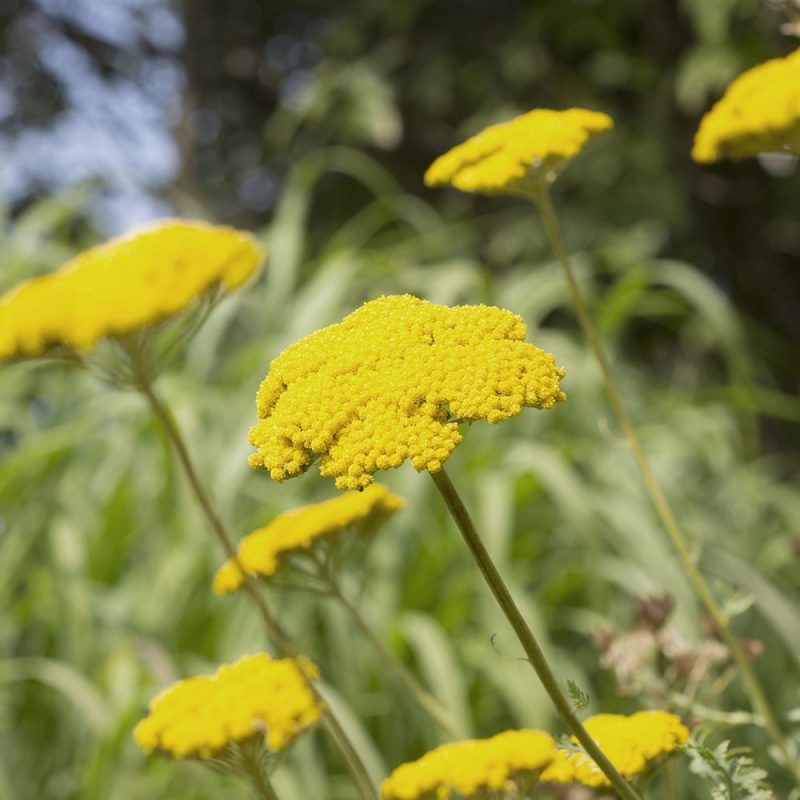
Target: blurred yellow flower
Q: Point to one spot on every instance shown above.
(629, 742)
(391, 382)
(122, 285)
(759, 112)
(472, 767)
(264, 551)
(257, 696)
(513, 157)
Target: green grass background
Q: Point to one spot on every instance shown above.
(106, 563)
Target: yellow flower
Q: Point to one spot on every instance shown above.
(515, 156)
(391, 382)
(123, 285)
(264, 551)
(759, 112)
(629, 742)
(257, 696)
(470, 767)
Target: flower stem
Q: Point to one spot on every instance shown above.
(532, 649)
(262, 786)
(279, 636)
(425, 699)
(671, 780)
(657, 496)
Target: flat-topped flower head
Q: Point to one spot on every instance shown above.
(392, 381)
(503, 763)
(257, 696)
(759, 112)
(631, 743)
(266, 551)
(123, 285)
(516, 156)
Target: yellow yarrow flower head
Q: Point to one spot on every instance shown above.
(759, 112)
(256, 698)
(507, 763)
(268, 550)
(631, 743)
(392, 381)
(515, 157)
(124, 285)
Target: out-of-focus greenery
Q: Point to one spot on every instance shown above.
(105, 562)
(271, 84)
(247, 88)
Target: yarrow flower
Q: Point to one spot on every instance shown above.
(255, 697)
(631, 743)
(265, 551)
(759, 112)
(469, 768)
(392, 381)
(513, 157)
(123, 285)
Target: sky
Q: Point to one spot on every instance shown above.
(106, 119)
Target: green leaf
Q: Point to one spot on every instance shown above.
(580, 700)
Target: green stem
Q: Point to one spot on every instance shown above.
(280, 637)
(264, 788)
(532, 649)
(657, 497)
(261, 783)
(425, 699)
(671, 780)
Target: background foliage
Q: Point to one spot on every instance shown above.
(314, 129)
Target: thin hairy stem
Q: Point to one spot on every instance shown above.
(279, 636)
(425, 699)
(532, 649)
(657, 496)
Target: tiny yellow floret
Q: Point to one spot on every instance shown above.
(629, 742)
(265, 551)
(759, 113)
(471, 767)
(257, 696)
(392, 381)
(510, 156)
(123, 285)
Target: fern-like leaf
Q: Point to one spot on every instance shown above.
(579, 698)
(731, 771)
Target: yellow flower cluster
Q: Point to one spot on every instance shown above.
(470, 767)
(264, 551)
(509, 156)
(629, 742)
(391, 382)
(257, 696)
(123, 285)
(759, 112)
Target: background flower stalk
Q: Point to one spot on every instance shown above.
(422, 696)
(660, 503)
(124, 295)
(512, 145)
(282, 640)
(298, 550)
